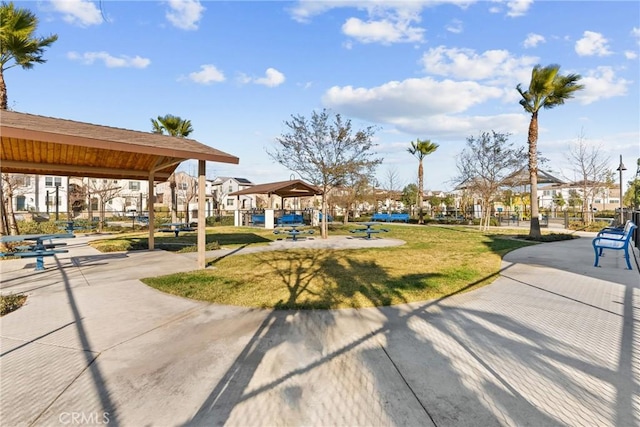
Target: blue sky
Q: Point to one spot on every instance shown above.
(438, 70)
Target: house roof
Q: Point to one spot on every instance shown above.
(34, 144)
(243, 181)
(294, 188)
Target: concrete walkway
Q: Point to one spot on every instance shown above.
(553, 341)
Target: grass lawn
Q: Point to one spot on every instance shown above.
(435, 261)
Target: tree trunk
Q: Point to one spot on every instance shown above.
(323, 223)
(174, 202)
(3, 92)
(3, 213)
(420, 193)
(534, 228)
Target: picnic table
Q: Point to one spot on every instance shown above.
(293, 231)
(38, 249)
(368, 229)
(70, 226)
(175, 227)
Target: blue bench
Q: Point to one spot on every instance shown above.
(381, 217)
(390, 217)
(290, 219)
(610, 238)
(329, 217)
(257, 219)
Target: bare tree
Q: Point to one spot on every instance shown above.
(324, 151)
(483, 166)
(187, 189)
(10, 184)
(105, 190)
(391, 186)
(591, 165)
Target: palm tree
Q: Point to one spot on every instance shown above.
(174, 126)
(547, 89)
(421, 149)
(18, 46)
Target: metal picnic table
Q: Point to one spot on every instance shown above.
(293, 231)
(39, 249)
(175, 227)
(369, 230)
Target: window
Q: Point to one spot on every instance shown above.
(23, 180)
(183, 186)
(230, 188)
(229, 202)
(134, 185)
(51, 181)
(614, 201)
(20, 203)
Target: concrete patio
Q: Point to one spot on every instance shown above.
(553, 341)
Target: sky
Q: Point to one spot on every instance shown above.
(442, 70)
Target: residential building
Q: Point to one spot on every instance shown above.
(219, 189)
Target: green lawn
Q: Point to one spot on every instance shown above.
(436, 261)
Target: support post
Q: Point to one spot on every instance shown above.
(150, 208)
(202, 235)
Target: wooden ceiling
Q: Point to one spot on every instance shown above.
(44, 145)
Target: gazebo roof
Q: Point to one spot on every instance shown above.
(293, 188)
(34, 144)
(521, 177)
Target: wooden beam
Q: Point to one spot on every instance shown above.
(202, 235)
(68, 170)
(150, 206)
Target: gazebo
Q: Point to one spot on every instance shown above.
(33, 144)
(283, 189)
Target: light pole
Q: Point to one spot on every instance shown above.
(620, 169)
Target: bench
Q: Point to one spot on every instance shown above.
(608, 238)
(257, 219)
(289, 219)
(400, 217)
(390, 217)
(38, 254)
(380, 217)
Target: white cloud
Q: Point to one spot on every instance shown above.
(635, 32)
(388, 21)
(78, 12)
(207, 75)
(491, 65)
(591, 44)
(601, 83)
(629, 54)
(518, 7)
(406, 102)
(455, 26)
(383, 31)
(185, 14)
(110, 61)
(533, 40)
(272, 78)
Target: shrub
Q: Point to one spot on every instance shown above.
(33, 227)
(594, 226)
(11, 302)
(553, 237)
